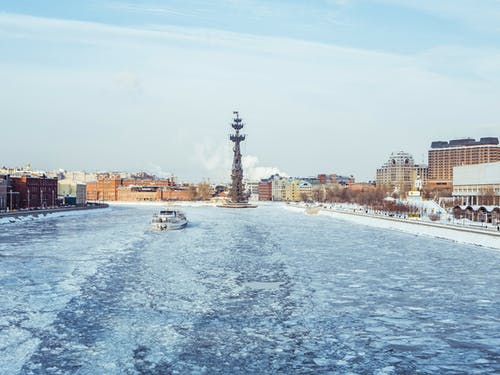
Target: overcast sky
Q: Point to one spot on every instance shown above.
(325, 86)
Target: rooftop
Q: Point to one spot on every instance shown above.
(464, 142)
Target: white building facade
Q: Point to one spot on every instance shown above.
(252, 189)
(477, 184)
(68, 188)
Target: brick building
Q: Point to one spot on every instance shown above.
(138, 194)
(362, 186)
(443, 156)
(35, 192)
(265, 190)
(155, 193)
(169, 182)
(114, 188)
(323, 179)
(185, 193)
(13, 197)
(104, 189)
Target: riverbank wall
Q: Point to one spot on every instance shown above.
(47, 211)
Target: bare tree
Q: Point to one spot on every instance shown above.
(204, 192)
(345, 195)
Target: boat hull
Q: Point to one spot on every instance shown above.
(169, 219)
(170, 226)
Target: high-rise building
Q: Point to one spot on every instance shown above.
(400, 172)
(443, 156)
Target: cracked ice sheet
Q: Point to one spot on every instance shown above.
(252, 291)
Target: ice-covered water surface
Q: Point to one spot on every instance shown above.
(264, 290)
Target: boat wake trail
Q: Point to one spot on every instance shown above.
(250, 325)
(70, 342)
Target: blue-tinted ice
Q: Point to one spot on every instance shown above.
(254, 291)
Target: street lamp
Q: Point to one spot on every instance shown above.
(10, 192)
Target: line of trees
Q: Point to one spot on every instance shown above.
(345, 195)
(373, 199)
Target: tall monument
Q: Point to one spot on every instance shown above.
(237, 193)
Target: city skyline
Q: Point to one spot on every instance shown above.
(332, 86)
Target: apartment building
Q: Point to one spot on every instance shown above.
(279, 185)
(400, 172)
(444, 156)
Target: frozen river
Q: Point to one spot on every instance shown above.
(253, 291)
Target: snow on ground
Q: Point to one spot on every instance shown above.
(47, 216)
(414, 227)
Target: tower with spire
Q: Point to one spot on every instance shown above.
(237, 193)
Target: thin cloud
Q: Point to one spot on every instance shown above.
(63, 30)
(151, 9)
(317, 99)
(481, 15)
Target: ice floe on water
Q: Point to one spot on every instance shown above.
(241, 291)
(450, 233)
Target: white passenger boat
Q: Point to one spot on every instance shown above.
(169, 220)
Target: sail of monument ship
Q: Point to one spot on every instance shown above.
(237, 194)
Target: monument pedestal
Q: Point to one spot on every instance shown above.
(237, 205)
